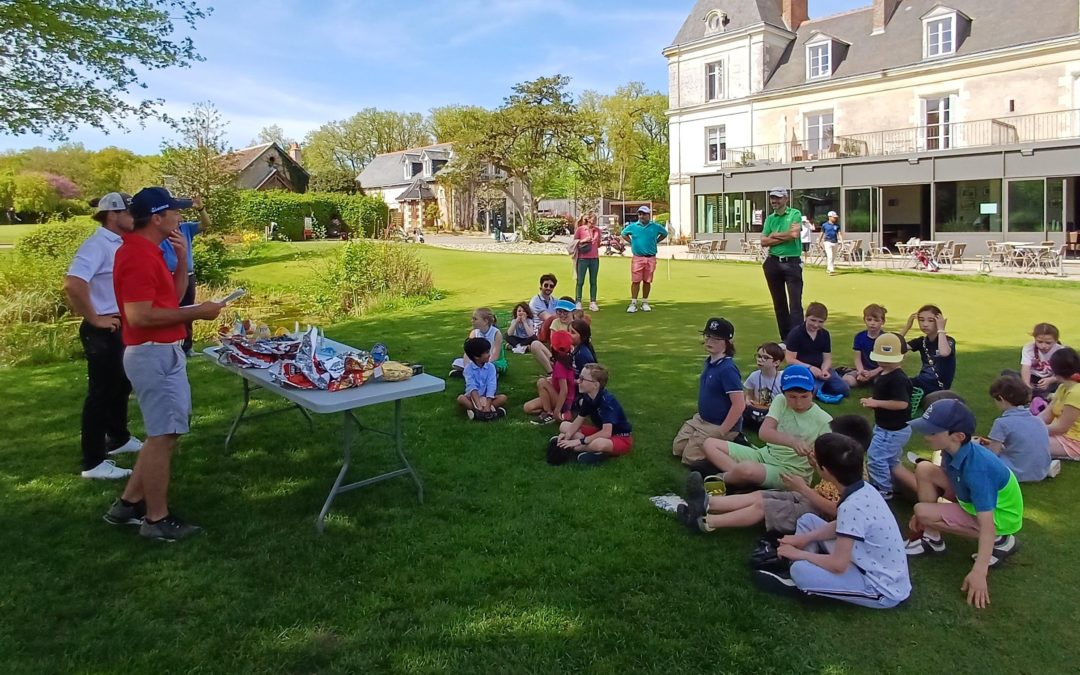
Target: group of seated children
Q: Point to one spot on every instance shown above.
(574, 392)
(860, 556)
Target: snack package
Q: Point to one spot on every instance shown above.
(392, 371)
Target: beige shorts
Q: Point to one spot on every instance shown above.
(690, 441)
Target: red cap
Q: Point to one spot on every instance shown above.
(561, 342)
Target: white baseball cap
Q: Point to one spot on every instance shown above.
(834, 214)
(114, 201)
(644, 209)
(778, 192)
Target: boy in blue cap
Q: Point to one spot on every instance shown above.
(984, 496)
(792, 424)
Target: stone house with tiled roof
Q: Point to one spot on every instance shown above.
(268, 166)
(939, 119)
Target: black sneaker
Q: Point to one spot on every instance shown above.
(697, 500)
(557, 456)
(777, 583)
(169, 528)
(543, 418)
(454, 372)
(500, 412)
(591, 458)
(1004, 546)
(122, 514)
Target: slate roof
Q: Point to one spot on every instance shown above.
(995, 24)
(418, 190)
(741, 14)
(385, 170)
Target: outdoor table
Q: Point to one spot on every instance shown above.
(345, 402)
(912, 251)
(1034, 257)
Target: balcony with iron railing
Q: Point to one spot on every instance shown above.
(997, 132)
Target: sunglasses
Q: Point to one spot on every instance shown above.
(585, 379)
(548, 287)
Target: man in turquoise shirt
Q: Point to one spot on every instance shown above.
(783, 265)
(643, 237)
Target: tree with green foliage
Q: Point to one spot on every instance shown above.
(636, 133)
(197, 165)
(352, 143)
(456, 122)
(34, 195)
(273, 134)
(68, 63)
(537, 126)
(334, 179)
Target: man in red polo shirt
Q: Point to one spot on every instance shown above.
(152, 321)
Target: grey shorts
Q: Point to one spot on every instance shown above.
(783, 510)
(158, 374)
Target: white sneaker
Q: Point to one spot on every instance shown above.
(577, 305)
(645, 307)
(632, 308)
(593, 307)
(520, 349)
(107, 470)
(133, 445)
(1055, 468)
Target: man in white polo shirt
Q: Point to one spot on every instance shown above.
(89, 288)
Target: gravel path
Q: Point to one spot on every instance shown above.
(556, 246)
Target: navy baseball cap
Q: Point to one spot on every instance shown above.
(151, 200)
(797, 377)
(948, 415)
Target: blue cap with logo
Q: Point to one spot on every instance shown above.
(948, 415)
(151, 200)
(565, 306)
(797, 377)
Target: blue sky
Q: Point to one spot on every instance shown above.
(300, 63)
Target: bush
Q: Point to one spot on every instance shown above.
(58, 239)
(362, 274)
(212, 260)
(253, 211)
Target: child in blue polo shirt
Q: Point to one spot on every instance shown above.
(720, 395)
(810, 345)
(985, 502)
(1019, 438)
(859, 556)
(607, 433)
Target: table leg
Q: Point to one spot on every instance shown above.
(240, 415)
(346, 441)
(398, 445)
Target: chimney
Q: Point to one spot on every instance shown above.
(794, 12)
(294, 152)
(883, 11)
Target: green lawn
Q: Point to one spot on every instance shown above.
(9, 234)
(509, 565)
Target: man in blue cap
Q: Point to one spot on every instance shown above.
(984, 499)
(148, 297)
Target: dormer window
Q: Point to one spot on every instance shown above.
(944, 30)
(824, 54)
(716, 21)
(819, 60)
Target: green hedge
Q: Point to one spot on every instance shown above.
(252, 210)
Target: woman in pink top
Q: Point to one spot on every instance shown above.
(587, 237)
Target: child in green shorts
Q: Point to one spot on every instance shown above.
(789, 430)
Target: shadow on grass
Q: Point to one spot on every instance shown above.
(510, 565)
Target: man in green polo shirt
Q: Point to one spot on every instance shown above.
(783, 265)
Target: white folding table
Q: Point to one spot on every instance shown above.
(344, 402)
